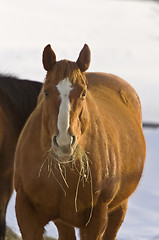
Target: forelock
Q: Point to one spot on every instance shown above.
(66, 69)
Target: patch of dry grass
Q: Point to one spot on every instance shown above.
(10, 235)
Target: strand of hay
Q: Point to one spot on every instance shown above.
(63, 177)
(80, 164)
(49, 160)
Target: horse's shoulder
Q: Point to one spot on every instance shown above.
(119, 89)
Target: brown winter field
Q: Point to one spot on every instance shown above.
(10, 235)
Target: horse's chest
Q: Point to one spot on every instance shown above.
(73, 192)
(76, 205)
(63, 191)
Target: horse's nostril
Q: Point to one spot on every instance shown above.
(55, 141)
(73, 140)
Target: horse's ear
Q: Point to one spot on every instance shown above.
(49, 58)
(84, 58)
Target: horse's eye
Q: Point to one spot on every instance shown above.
(83, 94)
(46, 93)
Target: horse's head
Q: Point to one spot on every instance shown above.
(65, 106)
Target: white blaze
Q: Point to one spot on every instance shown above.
(63, 121)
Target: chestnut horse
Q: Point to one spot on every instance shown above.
(18, 99)
(81, 153)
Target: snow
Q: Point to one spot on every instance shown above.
(142, 219)
(124, 40)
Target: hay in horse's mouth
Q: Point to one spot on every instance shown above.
(79, 163)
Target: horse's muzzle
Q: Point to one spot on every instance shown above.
(72, 141)
(64, 150)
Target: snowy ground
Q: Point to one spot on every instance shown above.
(124, 39)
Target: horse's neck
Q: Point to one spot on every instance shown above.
(96, 126)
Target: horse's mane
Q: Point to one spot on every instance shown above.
(19, 96)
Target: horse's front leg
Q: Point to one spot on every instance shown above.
(31, 223)
(65, 231)
(97, 224)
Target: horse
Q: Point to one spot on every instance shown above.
(81, 153)
(18, 99)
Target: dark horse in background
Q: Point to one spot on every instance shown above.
(18, 99)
